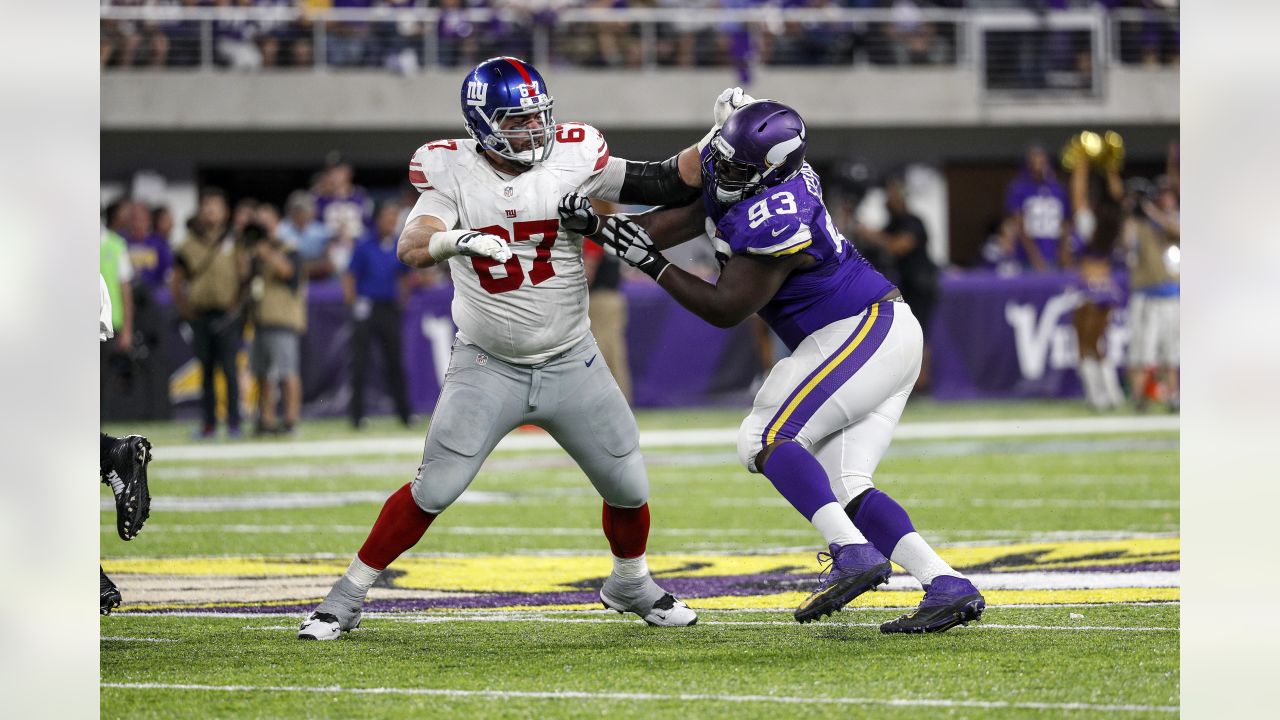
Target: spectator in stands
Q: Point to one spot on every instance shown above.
(347, 43)
(279, 290)
(811, 43)
(235, 41)
(375, 287)
(398, 45)
(912, 41)
(607, 310)
(1153, 238)
(1038, 206)
(679, 41)
(209, 269)
(302, 230)
(345, 208)
(456, 35)
(130, 43)
(903, 243)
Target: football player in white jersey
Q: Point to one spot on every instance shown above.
(524, 353)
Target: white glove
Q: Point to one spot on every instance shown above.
(470, 243)
(731, 99)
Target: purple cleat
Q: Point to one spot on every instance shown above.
(853, 570)
(948, 602)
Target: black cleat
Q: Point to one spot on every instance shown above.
(948, 602)
(853, 570)
(127, 478)
(108, 593)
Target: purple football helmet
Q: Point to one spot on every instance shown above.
(503, 88)
(761, 145)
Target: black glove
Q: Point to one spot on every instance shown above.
(623, 237)
(577, 215)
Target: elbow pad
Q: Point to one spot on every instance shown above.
(656, 183)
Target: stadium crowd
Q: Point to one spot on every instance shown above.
(467, 31)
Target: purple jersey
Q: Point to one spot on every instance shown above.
(152, 259)
(351, 215)
(1043, 206)
(787, 219)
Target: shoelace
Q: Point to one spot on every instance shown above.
(828, 563)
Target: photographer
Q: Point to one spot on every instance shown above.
(277, 297)
(1153, 238)
(206, 281)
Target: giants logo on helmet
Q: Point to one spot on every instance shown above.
(477, 93)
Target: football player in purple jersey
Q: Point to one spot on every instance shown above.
(825, 415)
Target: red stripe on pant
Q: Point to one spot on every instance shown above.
(399, 527)
(627, 529)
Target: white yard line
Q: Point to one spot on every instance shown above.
(737, 611)
(675, 438)
(517, 617)
(680, 697)
(135, 639)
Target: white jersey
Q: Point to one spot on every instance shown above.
(534, 306)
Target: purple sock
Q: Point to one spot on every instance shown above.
(881, 519)
(798, 475)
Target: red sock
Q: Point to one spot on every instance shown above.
(399, 527)
(627, 530)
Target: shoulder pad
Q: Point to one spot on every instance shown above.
(579, 147)
(432, 160)
(766, 233)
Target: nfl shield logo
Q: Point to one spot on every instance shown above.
(508, 191)
(482, 359)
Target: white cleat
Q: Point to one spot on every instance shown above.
(324, 626)
(646, 599)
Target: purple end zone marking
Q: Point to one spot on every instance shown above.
(684, 587)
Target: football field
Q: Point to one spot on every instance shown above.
(1067, 521)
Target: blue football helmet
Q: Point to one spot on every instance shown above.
(761, 145)
(498, 90)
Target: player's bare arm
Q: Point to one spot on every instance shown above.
(413, 246)
(744, 286)
(425, 242)
(672, 226)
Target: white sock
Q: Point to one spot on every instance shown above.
(1091, 378)
(917, 558)
(835, 525)
(1111, 384)
(636, 567)
(361, 575)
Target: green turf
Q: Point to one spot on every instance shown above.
(990, 490)
(830, 660)
(918, 410)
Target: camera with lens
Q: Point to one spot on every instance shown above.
(252, 234)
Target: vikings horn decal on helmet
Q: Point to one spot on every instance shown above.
(507, 109)
(761, 145)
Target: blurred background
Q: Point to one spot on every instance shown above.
(959, 141)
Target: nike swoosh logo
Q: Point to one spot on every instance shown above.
(588, 362)
(779, 231)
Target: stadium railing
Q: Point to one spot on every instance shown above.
(1011, 52)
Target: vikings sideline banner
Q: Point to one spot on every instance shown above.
(991, 337)
(1010, 337)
